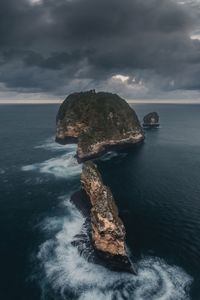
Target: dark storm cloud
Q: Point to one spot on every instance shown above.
(60, 45)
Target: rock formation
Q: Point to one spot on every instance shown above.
(98, 122)
(107, 231)
(151, 120)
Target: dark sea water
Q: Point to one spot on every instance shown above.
(157, 189)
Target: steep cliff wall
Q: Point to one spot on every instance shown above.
(107, 229)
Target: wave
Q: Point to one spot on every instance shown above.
(69, 273)
(50, 145)
(64, 166)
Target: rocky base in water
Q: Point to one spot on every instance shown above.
(85, 246)
(98, 122)
(104, 242)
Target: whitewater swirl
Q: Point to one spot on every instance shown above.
(65, 274)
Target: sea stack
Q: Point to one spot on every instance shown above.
(98, 122)
(151, 120)
(107, 231)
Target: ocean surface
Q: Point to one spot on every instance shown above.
(156, 187)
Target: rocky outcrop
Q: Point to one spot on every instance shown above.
(97, 122)
(151, 120)
(107, 231)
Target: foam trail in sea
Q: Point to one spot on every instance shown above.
(50, 145)
(68, 273)
(65, 165)
(62, 166)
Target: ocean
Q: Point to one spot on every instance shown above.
(156, 187)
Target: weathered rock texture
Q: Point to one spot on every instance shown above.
(98, 122)
(151, 120)
(107, 230)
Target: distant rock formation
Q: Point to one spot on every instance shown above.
(97, 122)
(151, 120)
(106, 229)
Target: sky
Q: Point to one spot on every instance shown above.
(140, 49)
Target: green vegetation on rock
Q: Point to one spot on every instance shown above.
(96, 118)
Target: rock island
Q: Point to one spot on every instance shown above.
(98, 122)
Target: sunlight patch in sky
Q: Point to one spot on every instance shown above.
(35, 1)
(121, 77)
(195, 37)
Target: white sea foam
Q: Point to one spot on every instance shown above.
(64, 166)
(66, 270)
(50, 145)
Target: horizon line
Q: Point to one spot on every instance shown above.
(130, 101)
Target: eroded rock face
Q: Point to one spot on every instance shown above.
(107, 229)
(98, 122)
(151, 119)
